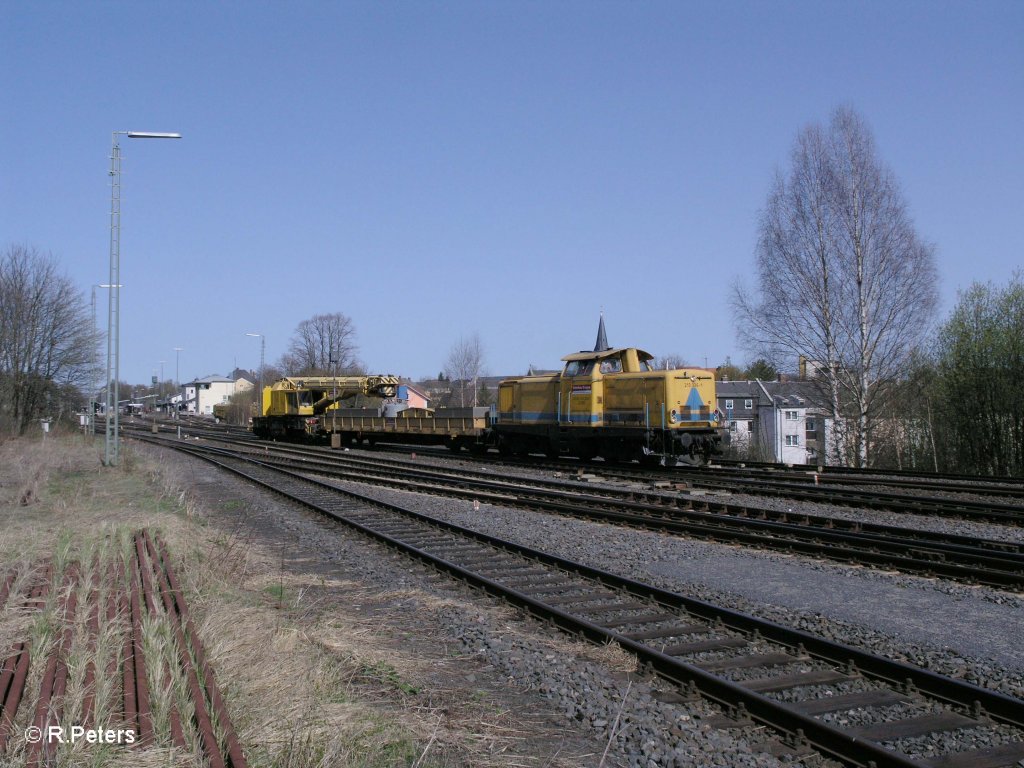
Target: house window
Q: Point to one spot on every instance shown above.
(792, 439)
(792, 415)
(810, 425)
(728, 405)
(748, 404)
(732, 426)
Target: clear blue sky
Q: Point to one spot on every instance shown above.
(434, 169)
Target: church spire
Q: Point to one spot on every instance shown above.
(602, 339)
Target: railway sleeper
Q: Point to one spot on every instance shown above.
(753, 660)
(655, 610)
(580, 599)
(991, 757)
(847, 701)
(914, 726)
(677, 630)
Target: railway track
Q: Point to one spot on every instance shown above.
(1006, 489)
(860, 488)
(1002, 508)
(896, 475)
(965, 559)
(843, 702)
(116, 595)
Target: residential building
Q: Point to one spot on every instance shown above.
(202, 394)
(244, 380)
(410, 397)
(781, 421)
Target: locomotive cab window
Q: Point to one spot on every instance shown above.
(613, 365)
(579, 367)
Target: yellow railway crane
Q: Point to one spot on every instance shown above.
(292, 407)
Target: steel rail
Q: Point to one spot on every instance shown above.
(1003, 570)
(882, 472)
(847, 747)
(954, 542)
(792, 484)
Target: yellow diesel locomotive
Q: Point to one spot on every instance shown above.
(609, 403)
(612, 403)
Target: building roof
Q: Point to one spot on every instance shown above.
(794, 393)
(799, 393)
(737, 389)
(213, 378)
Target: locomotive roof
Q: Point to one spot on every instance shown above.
(585, 355)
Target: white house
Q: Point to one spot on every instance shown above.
(244, 380)
(202, 394)
(783, 421)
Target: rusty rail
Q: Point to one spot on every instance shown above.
(126, 593)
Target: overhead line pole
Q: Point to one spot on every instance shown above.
(110, 444)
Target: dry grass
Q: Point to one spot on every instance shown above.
(307, 685)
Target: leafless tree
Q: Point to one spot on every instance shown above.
(464, 366)
(670, 362)
(47, 341)
(844, 278)
(321, 346)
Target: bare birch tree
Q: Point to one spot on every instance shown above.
(844, 278)
(670, 362)
(321, 346)
(47, 341)
(464, 366)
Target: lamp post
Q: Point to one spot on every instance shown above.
(263, 349)
(334, 409)
(161, 390)
(177, 383)
(107, 385)
(93, 399)
(110, 443)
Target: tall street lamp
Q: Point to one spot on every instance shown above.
(94, 398)
(263, 349)
(177, 383)
(161, 393)
(110, 443)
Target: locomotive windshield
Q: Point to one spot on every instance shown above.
(579, 367)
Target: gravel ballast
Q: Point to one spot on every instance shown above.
(602, 701)
(972, 637)
(967, 632)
